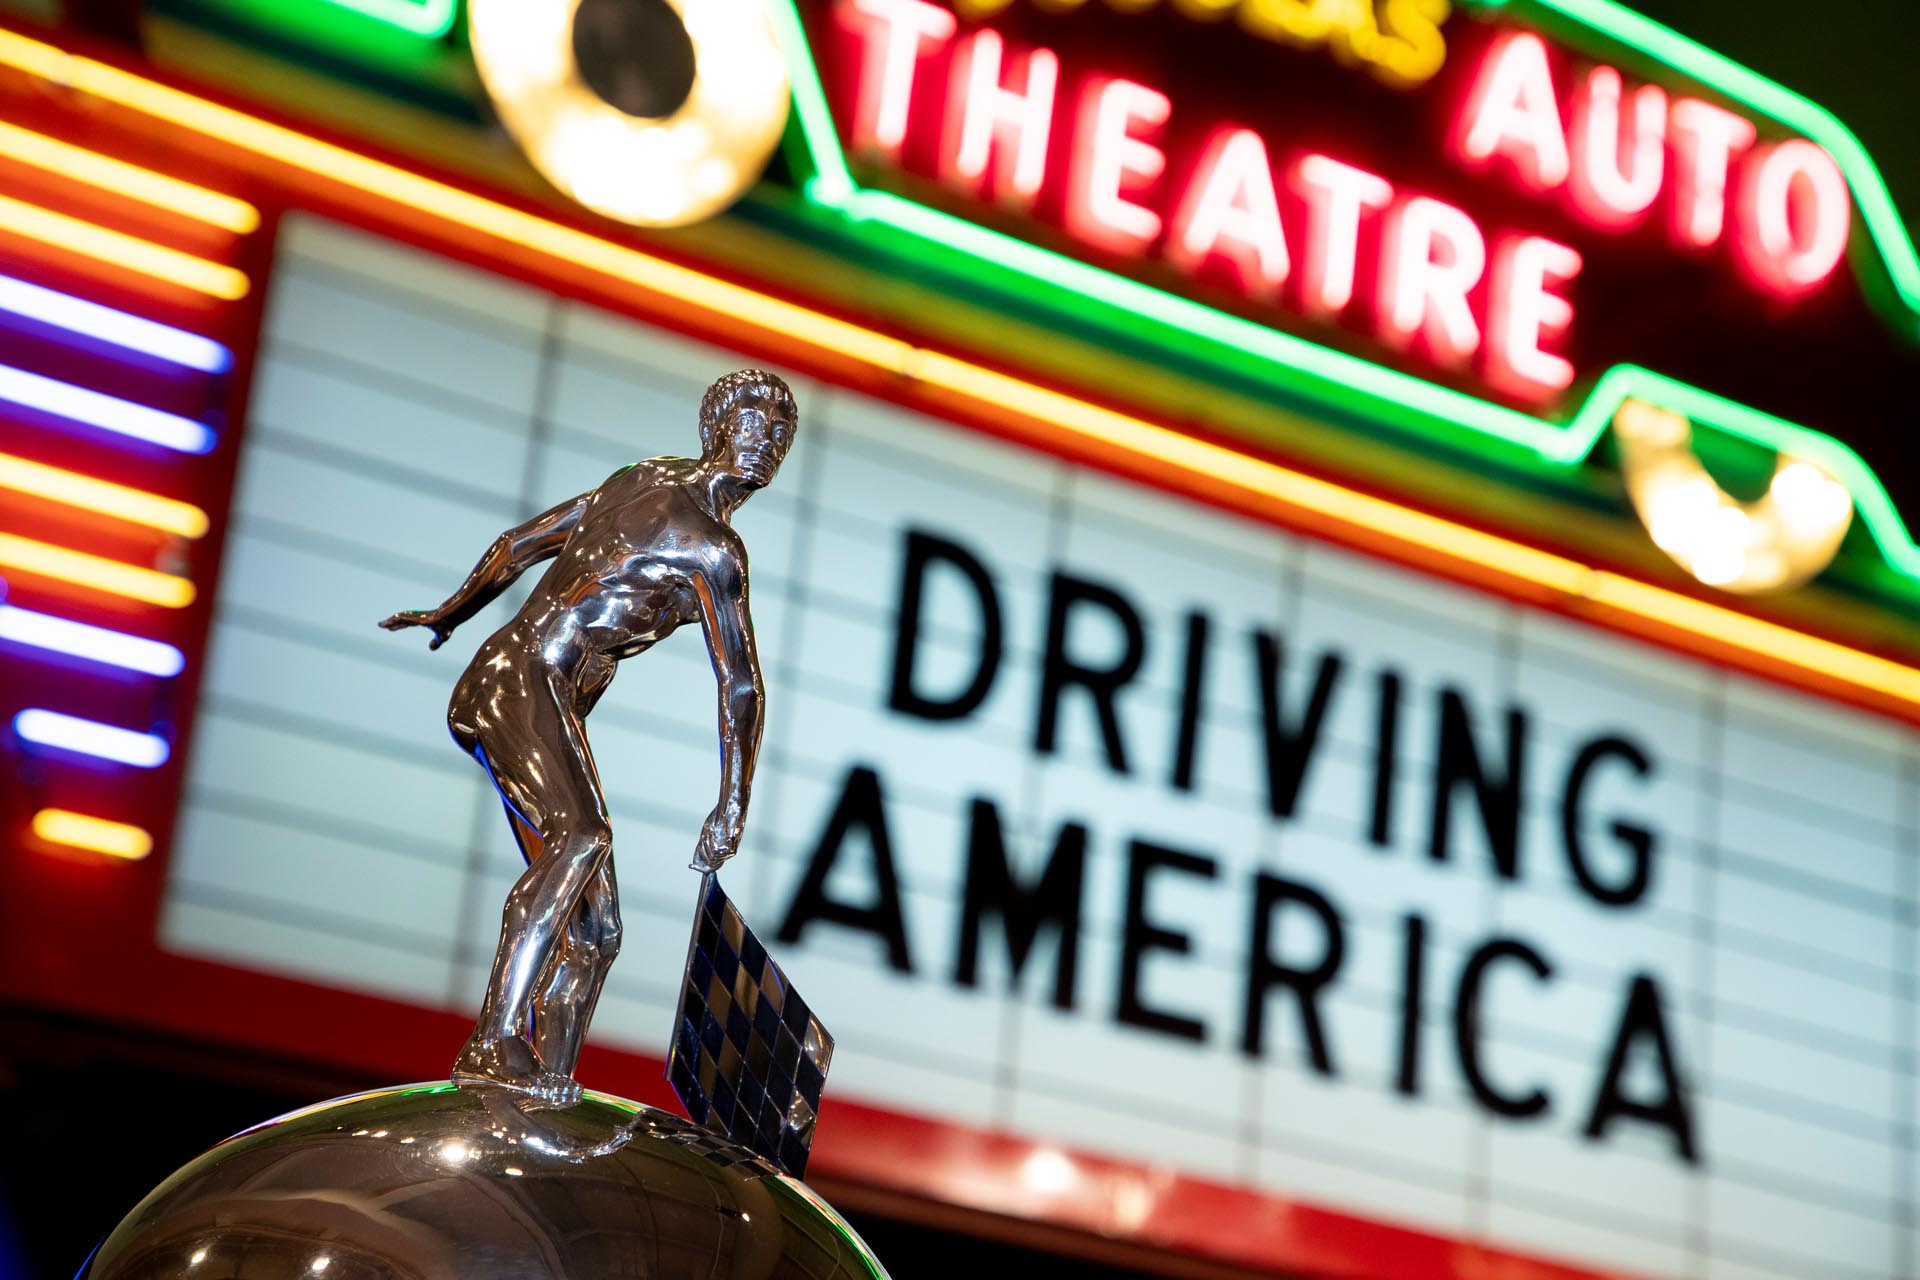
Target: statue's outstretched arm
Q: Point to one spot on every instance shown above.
(722, 591)
(511, 555)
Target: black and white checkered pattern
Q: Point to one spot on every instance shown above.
(749, 1058)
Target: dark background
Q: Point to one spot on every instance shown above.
(90, 1118)
(1853, 57)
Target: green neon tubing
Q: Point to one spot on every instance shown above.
(832, 183)
(1348, 381)
(429, 19)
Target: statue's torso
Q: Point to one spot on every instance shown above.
(626, 578)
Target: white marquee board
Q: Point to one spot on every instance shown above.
(407, 409)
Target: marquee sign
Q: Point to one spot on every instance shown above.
(1528, 234)
(1131, 177)
(1195, 859)
(1414, 928)
(1497, 227)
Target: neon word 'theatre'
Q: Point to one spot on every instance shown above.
(1432, 282)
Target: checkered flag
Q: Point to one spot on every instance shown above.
(749, 1058)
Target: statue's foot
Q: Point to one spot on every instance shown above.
(510, 1062)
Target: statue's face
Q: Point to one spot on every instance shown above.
(755, 433)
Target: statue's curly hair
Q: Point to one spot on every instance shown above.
(730, 387)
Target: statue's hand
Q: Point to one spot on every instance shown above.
(719, 840)
(429, 618)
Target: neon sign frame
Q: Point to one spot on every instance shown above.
(1353, 385)
(429, 19)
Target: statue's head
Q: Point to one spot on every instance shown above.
(747, 424)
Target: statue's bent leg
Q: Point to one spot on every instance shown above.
(564, 1008)
(555, 788)
(532, 929)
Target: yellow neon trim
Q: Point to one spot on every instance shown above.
(108, 499)
(120, 249)
(97, 572)
(1108, 428)
(129, 180)
(1731, 627)
(1577, 582)
(115, 839)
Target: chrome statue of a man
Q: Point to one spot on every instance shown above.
(648, 550)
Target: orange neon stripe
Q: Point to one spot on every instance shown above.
(115, 839)
(121, 250)
(95, 572)
(1423, 537)
(107, 499)
(128, 180)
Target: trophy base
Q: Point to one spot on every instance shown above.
(438, 1182)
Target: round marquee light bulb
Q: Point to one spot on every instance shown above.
(1778, 541)
(652, 171)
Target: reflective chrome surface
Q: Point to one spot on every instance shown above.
(478, 1182)
(650, 549)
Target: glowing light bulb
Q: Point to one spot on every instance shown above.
(1720, 563)
(1807, 497)
(1729, 526)
(645, 170)
(1778, 541)
(1049, 1172)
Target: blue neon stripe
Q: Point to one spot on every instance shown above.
(90, 737)
(109, 413)
(121, 328)
(96, 644)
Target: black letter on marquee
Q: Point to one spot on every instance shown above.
(1413, 989)
(1384, 759)
(1060, 671)
(1140, 936)
(860, 805)
(924, 549)
(1466, 1025)
(991, 887)
(1642, 1017)
(1263, 971)
(1499, 798)
(1191, 689)
(1638, 839)
(1289, 747)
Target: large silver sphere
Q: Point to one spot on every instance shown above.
(431, 1182)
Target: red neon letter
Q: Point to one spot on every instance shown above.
(1522, 309)
(1794, 216)
(1512, 112)
(1108, 158)
(1432, 255)
(1616, 179)
(1230, 209)
(1336, 194)
(893, 33)
(1705, 139)
(1012, 125)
